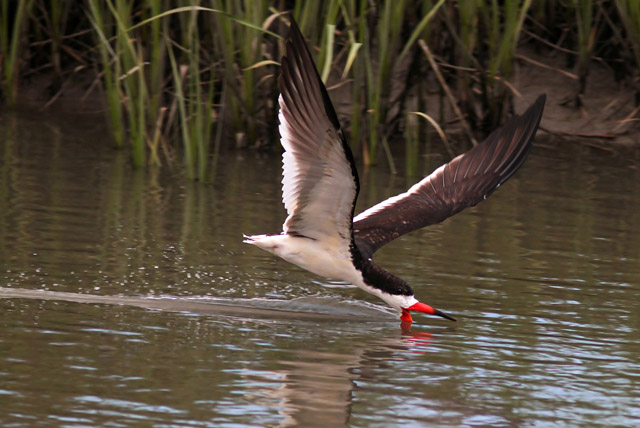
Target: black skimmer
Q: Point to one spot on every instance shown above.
(320, 186)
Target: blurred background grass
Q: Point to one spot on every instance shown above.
(179, 80)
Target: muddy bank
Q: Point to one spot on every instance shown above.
(608, 114)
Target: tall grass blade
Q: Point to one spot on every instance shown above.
(10, 46)
(328, 58)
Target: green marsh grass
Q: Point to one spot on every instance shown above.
(486, 36)
(131, 56)
(180, 82)
(629, 11)
(137, 89)
(110, 69)
(195, 102)
(584, 18)
(10, 45)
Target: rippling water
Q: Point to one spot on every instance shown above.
(128, 299)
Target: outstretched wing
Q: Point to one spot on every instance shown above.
(463, 182)
(320, 182)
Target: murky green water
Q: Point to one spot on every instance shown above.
(544, 279)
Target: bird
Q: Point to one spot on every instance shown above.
(320, 186)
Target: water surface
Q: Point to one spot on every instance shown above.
(128, 299)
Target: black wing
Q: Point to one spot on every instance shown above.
(463, 182)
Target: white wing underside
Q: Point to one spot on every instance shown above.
(317, 184)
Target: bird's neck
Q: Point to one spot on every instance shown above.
(379, 278)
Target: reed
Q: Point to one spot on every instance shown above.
(135, 80)
(57, 13)
(195, 109)
(110, 68)
(12, 25)
(242, 47)
(486, 36)
(584, 16)
(356, 65)
(157, 51)
(629, 11)
(127, 71)
(390, 19)
(370, 56)
(180, 82)
(132, 81)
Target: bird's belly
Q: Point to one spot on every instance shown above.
(324, 264)
(320, 257)
(322, 261)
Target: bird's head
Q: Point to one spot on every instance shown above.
(421, 307)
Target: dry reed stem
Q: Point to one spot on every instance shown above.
(447, 90)
(548, 67)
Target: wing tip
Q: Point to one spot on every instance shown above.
(536, 109)
(528, 122)
(298, 57)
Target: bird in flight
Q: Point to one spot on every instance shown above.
(320, 186)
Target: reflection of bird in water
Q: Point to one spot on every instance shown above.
(320, 186)
(316, 388)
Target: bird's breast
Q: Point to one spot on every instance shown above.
(327, 257)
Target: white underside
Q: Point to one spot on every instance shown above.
(324, 259)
